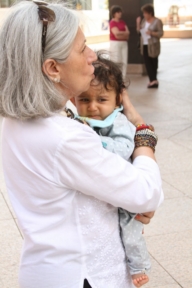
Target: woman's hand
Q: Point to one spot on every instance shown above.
(121, 35)
(145, 218)
(134, 117)
(129, 110)
(149, 32)
(138, 21)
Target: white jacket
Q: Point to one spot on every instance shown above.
(65, 189)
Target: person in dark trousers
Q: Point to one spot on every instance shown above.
(151, 30)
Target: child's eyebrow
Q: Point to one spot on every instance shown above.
(103, 95)
(82, 96)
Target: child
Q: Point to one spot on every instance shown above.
(101, 108)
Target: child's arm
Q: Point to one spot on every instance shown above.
(119, 138)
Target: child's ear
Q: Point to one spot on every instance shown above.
(73, 101)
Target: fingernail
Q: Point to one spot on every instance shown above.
(137, 216)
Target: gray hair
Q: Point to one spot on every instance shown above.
(25, 92)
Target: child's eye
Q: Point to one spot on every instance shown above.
(84, 100)
(102, 100)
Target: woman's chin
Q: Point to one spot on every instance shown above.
(84, 88)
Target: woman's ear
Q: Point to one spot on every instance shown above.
(51, 70)
(73, 101)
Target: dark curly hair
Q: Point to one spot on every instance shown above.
(109, 74)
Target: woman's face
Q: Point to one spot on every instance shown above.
(118, 15)
(147, 16)
(77, 72)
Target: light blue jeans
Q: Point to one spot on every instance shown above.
(134, 243)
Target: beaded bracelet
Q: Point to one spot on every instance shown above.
(144, 126)
(146, 138)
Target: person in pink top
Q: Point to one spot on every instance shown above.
(119, 35)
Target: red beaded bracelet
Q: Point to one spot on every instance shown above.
(144, 126)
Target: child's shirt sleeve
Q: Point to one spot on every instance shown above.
(119, 137)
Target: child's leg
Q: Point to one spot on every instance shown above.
(135, 247)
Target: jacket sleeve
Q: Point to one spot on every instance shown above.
(83, 165)
(160, 31)
(119, 138)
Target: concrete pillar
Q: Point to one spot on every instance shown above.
(131, 10)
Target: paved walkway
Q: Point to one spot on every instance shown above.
(169, 236)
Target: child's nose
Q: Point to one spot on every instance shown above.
(92, 106)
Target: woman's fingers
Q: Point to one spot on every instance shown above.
(145, 218)
(149, 214)
(142, 219)
(138, 20)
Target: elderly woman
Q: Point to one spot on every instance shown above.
(151, 29)
(64, 187)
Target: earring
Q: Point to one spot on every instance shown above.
(56, 80)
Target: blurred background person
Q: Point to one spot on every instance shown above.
(119, 35)
(151, 30)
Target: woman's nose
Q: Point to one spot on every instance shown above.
(92, 57)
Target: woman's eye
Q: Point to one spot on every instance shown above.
(84, 48)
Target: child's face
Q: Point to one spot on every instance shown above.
(96, 103)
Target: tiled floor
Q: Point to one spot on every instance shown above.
(169, 109)
(169, 236)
